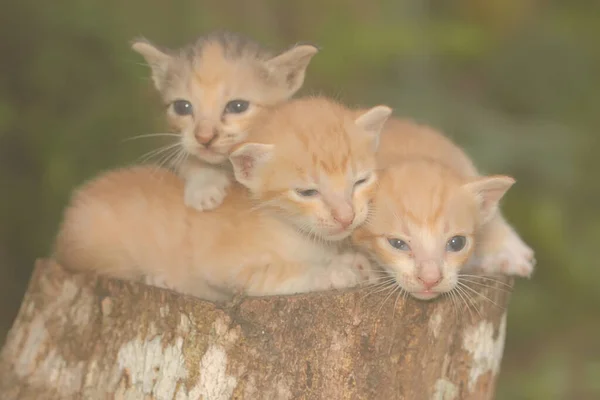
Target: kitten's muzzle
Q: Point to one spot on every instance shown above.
(206, 139)
(344, 221)
(429, 274)
(343, 216)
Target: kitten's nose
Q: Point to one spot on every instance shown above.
(345, 219)
(429, 283)
(429, 274)
(205, 137)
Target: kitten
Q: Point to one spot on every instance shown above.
(433, 217)
(306, 184)
(215, 90)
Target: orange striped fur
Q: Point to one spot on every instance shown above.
(210, 74)
(429, 193)
(266, 238)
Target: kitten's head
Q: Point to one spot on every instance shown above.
(312, 163)
(215, 88)
(424, 223)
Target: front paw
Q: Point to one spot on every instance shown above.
(205, 197)
(351, 269)
(514, 257)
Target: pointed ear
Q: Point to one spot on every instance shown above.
(247, 159)
(289, 68)
(156, 59)
(488, 192)
(372, 122)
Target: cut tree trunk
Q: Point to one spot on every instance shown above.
(87, 337)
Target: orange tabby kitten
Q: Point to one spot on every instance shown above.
(307, 184)
(214, 90)
(434, 217)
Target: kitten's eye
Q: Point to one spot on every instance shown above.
(307, 192)
(361, 181)
(182, 107)
(237, 106)
(399, 244)
(456, 243)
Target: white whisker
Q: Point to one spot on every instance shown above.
(472, 301)
(392, 291)
(151, 135)
(487, 277)
(485, 285)
(480, 294)
(460, 294)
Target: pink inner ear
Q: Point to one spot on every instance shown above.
(246, 165)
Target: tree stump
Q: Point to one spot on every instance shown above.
(79, 336)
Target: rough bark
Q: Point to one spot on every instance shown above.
(88, 337)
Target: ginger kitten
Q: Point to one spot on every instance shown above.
(214, 90)
(433, 217)
(306, 184)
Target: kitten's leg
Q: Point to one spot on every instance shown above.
(345, 270)
(156, 281)
(501, 250)
(205, 185)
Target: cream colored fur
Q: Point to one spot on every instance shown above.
(429, 192)
(210, 75)
(272, 235)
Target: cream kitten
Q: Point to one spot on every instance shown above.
(215, 90)
(434, 217)
(307, 184)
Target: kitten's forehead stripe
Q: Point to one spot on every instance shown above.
(234, 47)
(438, 204)
(217, 55)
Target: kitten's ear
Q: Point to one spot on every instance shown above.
(372, 122)
(289, 68)
(156, 59)
(488, 192)
(247, 159)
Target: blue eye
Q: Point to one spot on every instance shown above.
(399, 244)
(456, 243)
(182, 107)
(236, 106)
(307, 192)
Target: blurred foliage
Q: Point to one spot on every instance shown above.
(516, 82)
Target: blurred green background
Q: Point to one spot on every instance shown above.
(516, 82)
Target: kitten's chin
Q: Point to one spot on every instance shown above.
(337, 236)
(209, 156)
(425, 295)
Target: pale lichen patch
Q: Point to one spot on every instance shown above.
(435, 323)
(153, 368)
(444, 390)
(222, 334)
(485, 351)
(106, 306)
(46, 368)
(163, 311)
(184, 324)
(214, 383)
(32, 346)
(158, 369)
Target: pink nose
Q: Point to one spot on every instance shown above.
(429, 274)
(344, 220)
(205, 138)
(429, 283)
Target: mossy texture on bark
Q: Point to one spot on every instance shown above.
(79, 336)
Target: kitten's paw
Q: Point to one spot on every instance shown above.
(515, 257)
(205, 195)
(351, 269)
(157, 281)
